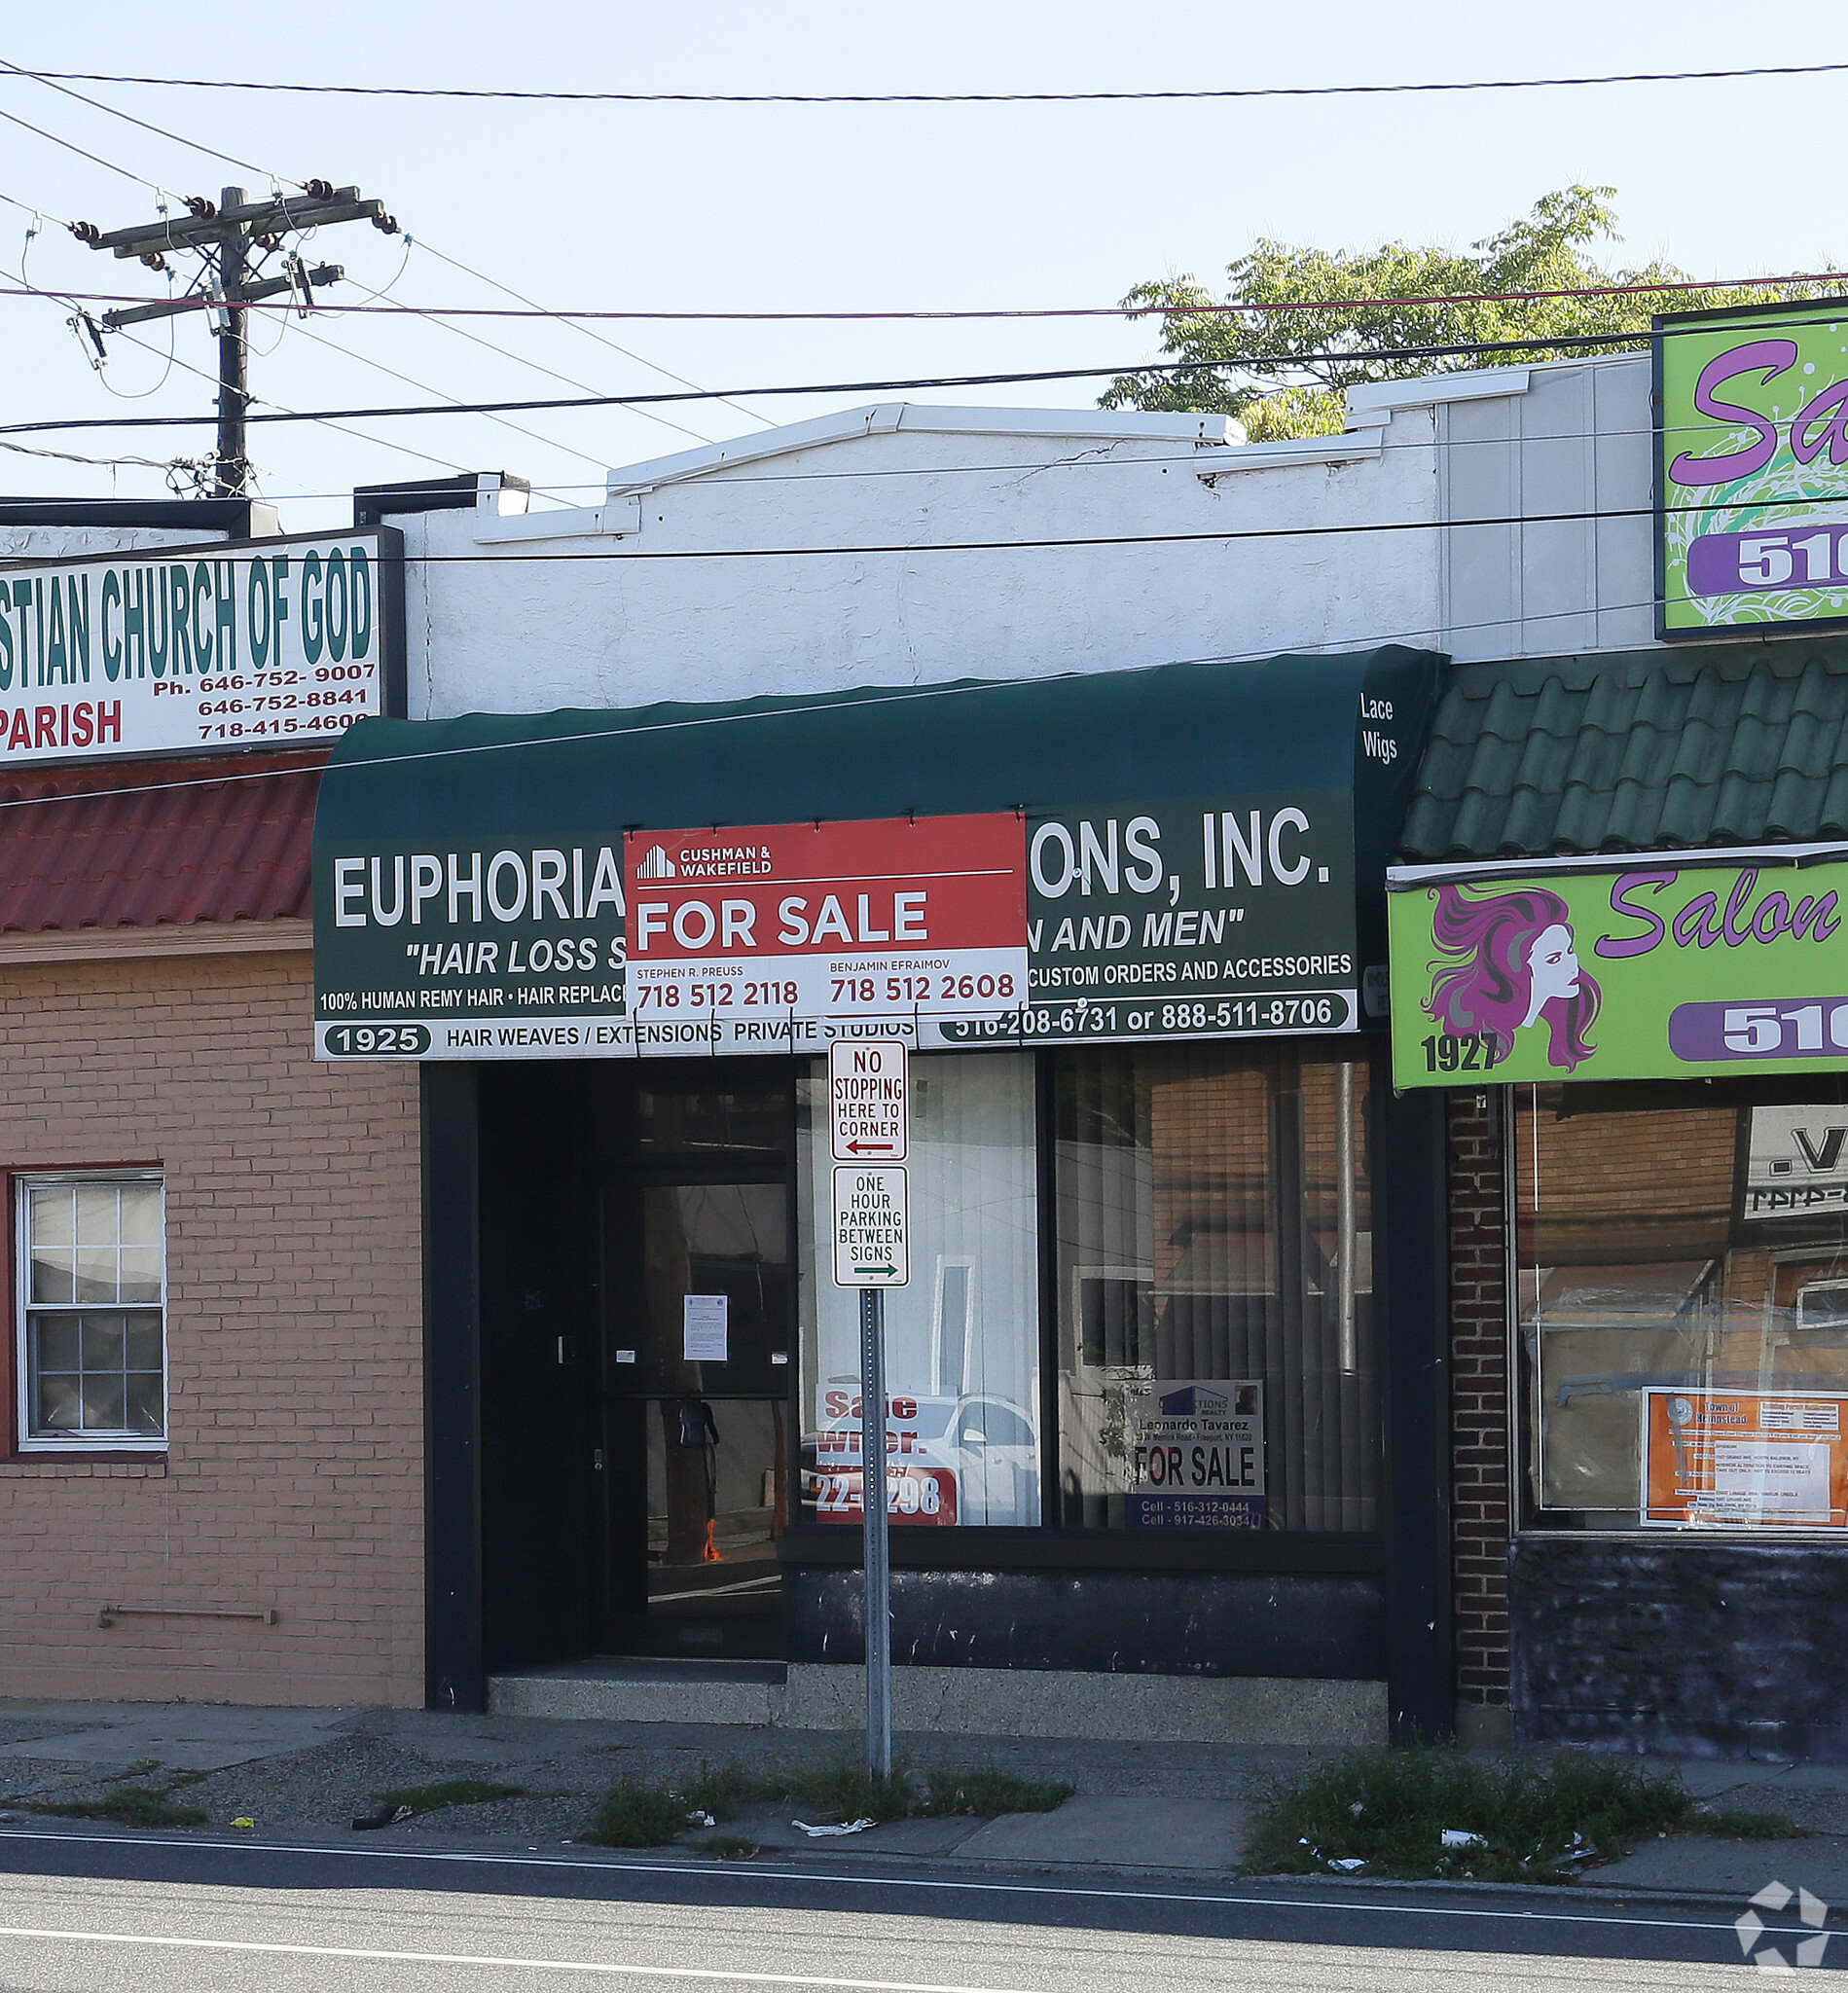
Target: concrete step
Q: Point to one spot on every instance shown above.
(1255, 1712)
(643, 1689)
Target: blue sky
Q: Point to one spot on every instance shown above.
(729, 208)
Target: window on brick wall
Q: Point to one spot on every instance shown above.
(1680, 1294)
(91, 1309)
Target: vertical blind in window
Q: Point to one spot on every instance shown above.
(1214, 1223)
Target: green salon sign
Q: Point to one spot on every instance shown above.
(1752, 468)
(1661, 971)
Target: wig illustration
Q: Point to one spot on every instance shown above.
(1511, 964)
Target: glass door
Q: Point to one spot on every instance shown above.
(697, 1332)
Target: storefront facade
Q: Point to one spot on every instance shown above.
(1616, 951)
(1144, 1378)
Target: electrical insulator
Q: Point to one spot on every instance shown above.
(154, 260)
(87, 231)
(386, 224)
(200, 209)
(266, 242)
(318, 189)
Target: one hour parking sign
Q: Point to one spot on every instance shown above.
(872, 1226)
(869, 1136)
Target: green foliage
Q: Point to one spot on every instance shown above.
(127, 1806)
(842, 1789)
(721, 1790)
(646, 1813)
(986, 1791)
(448, 1793)
(1539, 1819)
(727, 1847)
(1250, 363)
(638, 1813)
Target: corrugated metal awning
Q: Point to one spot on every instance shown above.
(149, 844)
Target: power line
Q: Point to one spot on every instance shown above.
(128, 118)
(455, 261)
(1220, 536)
(654, 367)
(279, 179)
(1277, 532)
(95, 159)
(551, 373)
(1203, 462)
(1261, 308)
(1475, 348)
(292, 414)
(379, 366)
(1076, 96)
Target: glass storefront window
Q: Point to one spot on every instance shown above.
(1682, 1295)
(1214, 1289)
(962, 1340)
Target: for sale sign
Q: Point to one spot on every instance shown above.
(178, 650)
(899, 919)
(1196, 1456)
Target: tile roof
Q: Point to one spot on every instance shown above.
(1707, 744)
(142, 844)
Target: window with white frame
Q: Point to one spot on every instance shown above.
(93, 1310)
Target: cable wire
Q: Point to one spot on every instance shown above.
(1263, 308)
(1074, 96)
(277, 179)
(654, 367)
(379, 366)
(95, 160)
(1475, 348)
(160, 130)
(519, 359)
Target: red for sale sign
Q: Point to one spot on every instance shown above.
(890, 917)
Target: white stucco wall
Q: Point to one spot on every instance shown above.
(687, 583)
(493, 630)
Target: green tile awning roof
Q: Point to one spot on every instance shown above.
(1710, 744)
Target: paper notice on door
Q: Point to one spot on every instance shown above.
(703, 1337)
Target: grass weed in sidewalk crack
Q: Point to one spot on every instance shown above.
(1441, 1815)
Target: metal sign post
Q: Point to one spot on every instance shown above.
(879, 1568)
(869, 1136)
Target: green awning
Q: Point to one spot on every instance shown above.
(1194, 849)
(975, 744)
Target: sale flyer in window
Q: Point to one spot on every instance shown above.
(1744, 1459)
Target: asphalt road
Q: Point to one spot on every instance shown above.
(84, 1913)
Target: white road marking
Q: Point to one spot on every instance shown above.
(462, 1958)
(711, 1871)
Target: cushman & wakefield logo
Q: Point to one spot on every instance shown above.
(1770, 1958)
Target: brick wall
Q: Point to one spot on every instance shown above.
(293, 1478)
(1481, 1398)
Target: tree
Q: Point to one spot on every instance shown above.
(1257, 365)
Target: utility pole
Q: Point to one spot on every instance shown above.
(224, 236)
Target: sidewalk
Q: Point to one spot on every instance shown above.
(1175, 1808)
